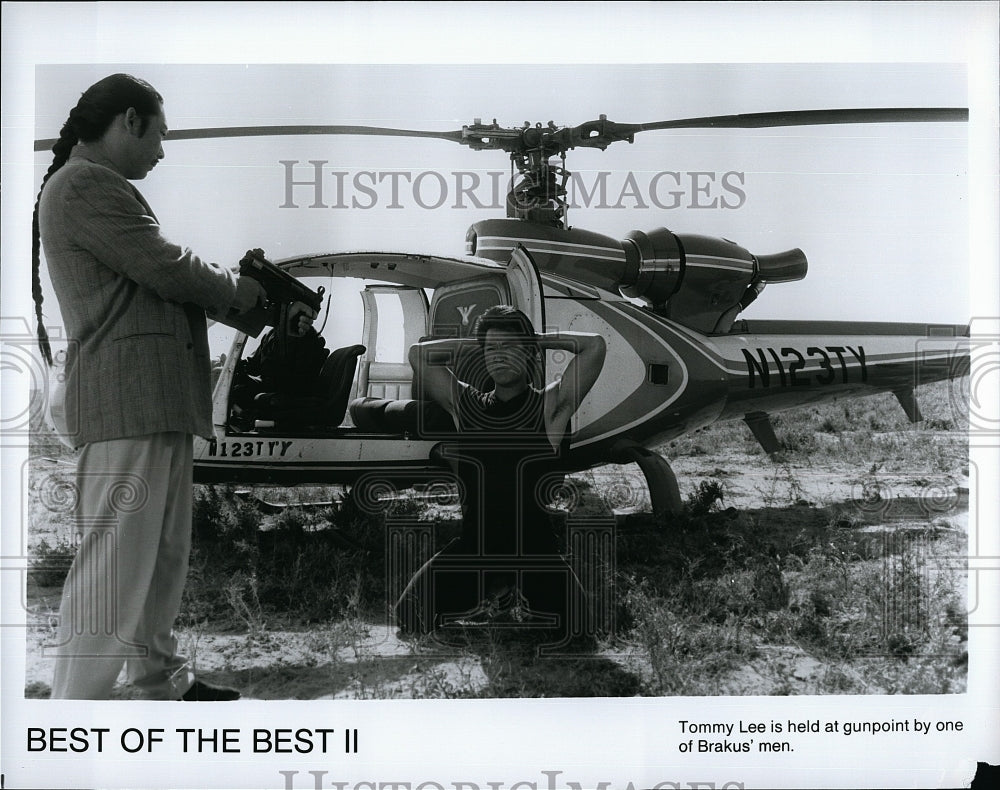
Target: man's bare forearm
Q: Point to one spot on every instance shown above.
(577, 342)
(437, 352)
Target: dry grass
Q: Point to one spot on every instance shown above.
(836, 568)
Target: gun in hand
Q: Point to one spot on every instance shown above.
(281, 288)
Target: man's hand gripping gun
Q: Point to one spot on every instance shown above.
(282, 290)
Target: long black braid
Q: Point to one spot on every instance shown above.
(99, 105)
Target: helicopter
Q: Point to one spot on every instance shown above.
(668, 304)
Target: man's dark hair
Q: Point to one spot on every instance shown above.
(506, 319)
(99, 105)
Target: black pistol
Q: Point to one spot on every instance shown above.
(281, 288)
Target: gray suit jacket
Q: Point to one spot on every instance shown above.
(134, 307)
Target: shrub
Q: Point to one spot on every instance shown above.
(50, 563)
(299, 565)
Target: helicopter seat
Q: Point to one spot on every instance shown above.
(414, 417)
(326, 408)
(336, 379)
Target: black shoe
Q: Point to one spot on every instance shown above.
(201, 691)
(506, 606)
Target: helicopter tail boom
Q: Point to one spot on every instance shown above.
(811, 362)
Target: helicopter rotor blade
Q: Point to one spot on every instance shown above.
(286, 131)
(595, 134)
(602, 132)
(762, 120)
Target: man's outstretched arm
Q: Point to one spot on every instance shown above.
(433, 360)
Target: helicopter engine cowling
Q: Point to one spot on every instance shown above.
(701, 282)
(715, 275)
(576, 254)
(654, 272)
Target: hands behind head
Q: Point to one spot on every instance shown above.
(300, 319)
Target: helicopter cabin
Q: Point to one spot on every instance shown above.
(376, 306)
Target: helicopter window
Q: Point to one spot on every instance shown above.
(389, 341)
(381, 319)
(456, 307)
(260, 398)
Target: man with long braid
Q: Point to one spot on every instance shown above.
(137, 390)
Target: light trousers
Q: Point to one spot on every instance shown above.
(123, 591)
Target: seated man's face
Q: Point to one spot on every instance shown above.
(507, 356)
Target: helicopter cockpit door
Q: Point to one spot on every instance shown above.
(526, 287)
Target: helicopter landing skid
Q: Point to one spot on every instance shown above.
(664, 493)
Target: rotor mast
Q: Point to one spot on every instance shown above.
(538, 190)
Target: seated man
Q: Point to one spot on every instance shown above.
(285, 367)
(507, 559)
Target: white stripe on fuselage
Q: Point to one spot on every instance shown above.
(548, 246)
(715, 262)
(664, 404)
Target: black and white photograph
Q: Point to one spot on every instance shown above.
(511, 397)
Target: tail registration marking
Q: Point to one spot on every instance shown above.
(790, 364)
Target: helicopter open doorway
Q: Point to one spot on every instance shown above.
(378, 305)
